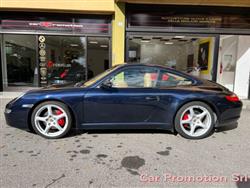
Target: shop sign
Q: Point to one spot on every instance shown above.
(192, 20)
(55, 26)
(62, 65)
(42, 57)
(181, 16)
(41, 40)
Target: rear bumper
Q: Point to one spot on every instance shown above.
(230, 115)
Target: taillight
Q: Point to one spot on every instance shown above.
(232, 98)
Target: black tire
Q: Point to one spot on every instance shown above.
(61, 105)
(181, 111)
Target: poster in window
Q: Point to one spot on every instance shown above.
(203, 57)
(228, 63)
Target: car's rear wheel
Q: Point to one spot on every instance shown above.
(195, 120)
(51, 119)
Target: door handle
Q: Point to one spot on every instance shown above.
(155, 98)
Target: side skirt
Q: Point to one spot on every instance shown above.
(144, 125)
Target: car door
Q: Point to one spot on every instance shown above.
(131, 99)
(172, 87)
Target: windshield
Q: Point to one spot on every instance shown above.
(99, 76)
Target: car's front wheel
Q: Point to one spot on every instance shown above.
(195, 120)
(51, 119)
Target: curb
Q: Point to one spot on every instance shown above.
(246, 104)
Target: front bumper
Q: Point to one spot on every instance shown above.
(16, 116)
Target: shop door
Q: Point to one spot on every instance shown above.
(20, 64)
(62, 59)
(227, 60)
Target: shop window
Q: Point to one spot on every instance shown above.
(20, 61)
(62, 59)
(190, 54)
(98, 56)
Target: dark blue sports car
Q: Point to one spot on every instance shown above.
(134, 96)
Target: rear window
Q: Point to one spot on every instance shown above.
(167, 79)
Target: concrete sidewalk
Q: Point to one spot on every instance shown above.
(9, 95)
(246, 104)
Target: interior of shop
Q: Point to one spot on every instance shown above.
(191, 54)
(98, 55)
(64, 59)
(20, 58)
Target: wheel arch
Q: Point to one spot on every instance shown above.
(46, 100)
(210, 104)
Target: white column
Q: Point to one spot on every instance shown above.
(241, 82)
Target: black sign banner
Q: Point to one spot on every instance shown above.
(188, 16)
(68, 23)
(55, 26)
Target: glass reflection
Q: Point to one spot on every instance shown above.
(20, 54)
(65, 59)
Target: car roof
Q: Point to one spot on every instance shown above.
(151, 65)
(144, 64)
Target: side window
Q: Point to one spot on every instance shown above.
(135, 77)
(167, 79)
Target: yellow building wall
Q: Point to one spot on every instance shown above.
(81, 6)
(118, 34)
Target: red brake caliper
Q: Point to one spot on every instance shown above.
(61, 121)
(185, 117)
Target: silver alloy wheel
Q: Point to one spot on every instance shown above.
(195, 121)
(46, 120)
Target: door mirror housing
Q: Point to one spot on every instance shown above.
(107, 85)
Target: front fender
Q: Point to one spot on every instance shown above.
(73, 100)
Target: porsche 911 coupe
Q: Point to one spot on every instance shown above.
(128, 96)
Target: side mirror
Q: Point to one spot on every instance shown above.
(107, 85)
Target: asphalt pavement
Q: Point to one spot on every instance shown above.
(125, 158)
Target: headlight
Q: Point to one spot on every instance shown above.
(7, 111)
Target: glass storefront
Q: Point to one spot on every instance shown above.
(209, 42)
(195, 55)
(65, 59)
(52, 49)
(40, 60)
(190, 54)
(20, 58)
(98, 63)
